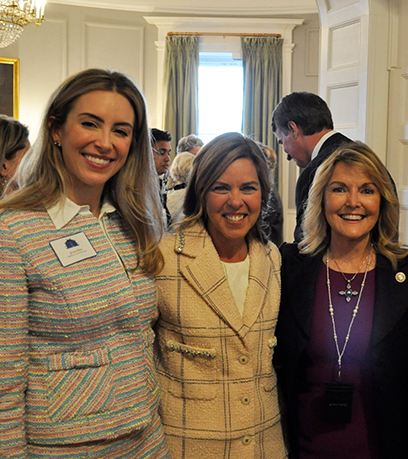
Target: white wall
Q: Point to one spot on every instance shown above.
(304, 78)
(73, 38)
(397, 145)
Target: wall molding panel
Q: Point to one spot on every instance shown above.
(105, 44)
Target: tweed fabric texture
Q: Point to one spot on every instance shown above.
(219, 393)
(76, 360)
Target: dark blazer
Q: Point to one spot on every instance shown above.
(272, 217)
(305, 179)
(388, 346)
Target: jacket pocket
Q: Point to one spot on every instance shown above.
(191, 371)
(79, 384)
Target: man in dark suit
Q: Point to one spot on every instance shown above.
(303, 125)
(160, 142)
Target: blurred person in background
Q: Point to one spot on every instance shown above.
(303, 124)
(160, 142)
(180, 170)
(273, 214)
(14, 144)
(190, 144)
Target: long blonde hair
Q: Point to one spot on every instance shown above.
(42, 177)
(384, 235)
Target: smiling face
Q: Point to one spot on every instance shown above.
(95, 142)
(352, 204)
(233, 204)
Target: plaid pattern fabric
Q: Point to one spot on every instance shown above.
(219, 394)
(76, 360)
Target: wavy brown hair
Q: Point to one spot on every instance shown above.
(384, 235)
(210, 163)
(42, 177)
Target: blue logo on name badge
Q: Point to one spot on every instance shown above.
(69, 243)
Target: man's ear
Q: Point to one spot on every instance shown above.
(294, 129)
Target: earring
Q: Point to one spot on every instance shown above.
(57, 143)
(3, 182)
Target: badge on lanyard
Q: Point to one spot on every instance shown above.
(73, 248)
(338, 402)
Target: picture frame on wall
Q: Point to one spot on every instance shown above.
(9, 86)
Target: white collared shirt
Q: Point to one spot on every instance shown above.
(65, 210)
(319, 144)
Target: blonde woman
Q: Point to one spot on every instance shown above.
(78, 245)
(342, 331)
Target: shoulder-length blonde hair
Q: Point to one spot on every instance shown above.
(384, 235)
(210, 163)
(42, 177)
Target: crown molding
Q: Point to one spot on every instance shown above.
(121, 5)
(148, 7)
(220, 25)
(210, 22)
(237, 12)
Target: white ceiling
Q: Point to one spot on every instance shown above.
(203, 7)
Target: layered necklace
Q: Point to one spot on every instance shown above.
(355, 310)
(348, 293)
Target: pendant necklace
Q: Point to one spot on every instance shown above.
(355, 311)
(338, 396)
(348, 293)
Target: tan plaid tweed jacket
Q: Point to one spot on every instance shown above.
(219, 394)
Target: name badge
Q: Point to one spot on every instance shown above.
(338, 402)
(73, 248)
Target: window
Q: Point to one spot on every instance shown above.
(220, 94)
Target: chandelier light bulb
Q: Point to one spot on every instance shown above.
(15, 15)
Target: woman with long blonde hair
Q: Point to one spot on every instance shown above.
(78, 243)
(342, 354)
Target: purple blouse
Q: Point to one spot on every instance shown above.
(319, 440)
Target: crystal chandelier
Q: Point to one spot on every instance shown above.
(15, 14)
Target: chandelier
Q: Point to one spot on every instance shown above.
(15, 14)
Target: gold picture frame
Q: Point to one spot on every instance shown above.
(9, 86)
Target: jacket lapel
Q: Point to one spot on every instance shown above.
(263, 277)
(391, 296)
(301, 302)
(202, 268)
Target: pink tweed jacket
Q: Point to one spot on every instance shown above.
(76, 352)
(219, 394)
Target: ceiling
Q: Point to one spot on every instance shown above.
(202, 7)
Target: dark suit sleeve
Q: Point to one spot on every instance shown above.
(306, 178)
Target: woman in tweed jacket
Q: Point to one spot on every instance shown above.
(77, 297)
(218, 300)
